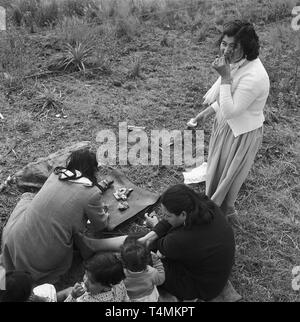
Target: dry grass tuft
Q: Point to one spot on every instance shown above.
(135, 70)
(48, 100)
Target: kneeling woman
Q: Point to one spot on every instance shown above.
(39, 234)
(196, 242)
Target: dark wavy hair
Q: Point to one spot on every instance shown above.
(84, 161)
(243, 33)
(105, 268)
(198, 207)
(135, 256)
(19, 285)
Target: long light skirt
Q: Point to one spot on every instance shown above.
(229, 162)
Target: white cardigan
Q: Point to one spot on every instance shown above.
(242, 103)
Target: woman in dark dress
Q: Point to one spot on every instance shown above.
(196, 243)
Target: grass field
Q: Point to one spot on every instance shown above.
(149, 63)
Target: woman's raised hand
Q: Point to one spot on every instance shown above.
(222, 66)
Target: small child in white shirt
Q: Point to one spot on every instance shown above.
(102, 282)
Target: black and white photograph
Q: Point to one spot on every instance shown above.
(149, 154)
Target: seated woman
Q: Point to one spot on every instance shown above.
(196, 242)
(38, 236)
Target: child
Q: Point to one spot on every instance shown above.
(102, 282)
(141, 278)
(19, 287)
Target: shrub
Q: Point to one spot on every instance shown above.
(127, 27)
(34, 12)
(74, 29)
(75, 57)
(73, 8)
(24, 11)
(16, 15)
(47, 100)
(147, 9)
(77, 8)
(78, 55)
(48, 13)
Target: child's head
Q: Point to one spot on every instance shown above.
(103, 268)
(18, 286)
(135, 255)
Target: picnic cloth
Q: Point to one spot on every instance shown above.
(140, 200)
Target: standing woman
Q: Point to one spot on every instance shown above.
(39, 234)
(237, 99)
